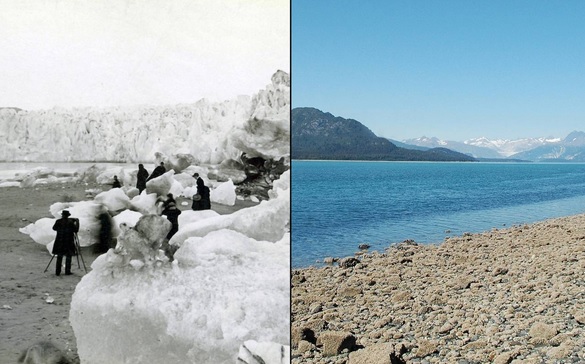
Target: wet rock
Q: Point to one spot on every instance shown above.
(348, 262)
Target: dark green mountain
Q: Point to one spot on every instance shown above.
(320, 135)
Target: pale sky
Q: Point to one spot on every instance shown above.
(127, 52)
(452, 69)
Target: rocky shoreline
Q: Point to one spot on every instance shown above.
(514, 295)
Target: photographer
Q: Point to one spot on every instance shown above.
(65, 241)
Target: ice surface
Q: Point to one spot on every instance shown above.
(224, 194)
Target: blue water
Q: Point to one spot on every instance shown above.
(337, 205)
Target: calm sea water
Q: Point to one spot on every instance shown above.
(9, 169)
(338, 205)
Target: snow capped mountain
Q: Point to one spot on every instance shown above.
(476, 151)
(485, 148)
(576, 138)
(257, 125)
(506, 147)
(570, 148)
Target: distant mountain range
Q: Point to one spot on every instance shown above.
(569, 149)
(320, 135)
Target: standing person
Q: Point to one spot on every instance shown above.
(141, 178)
(199, 202)
(172, 212)
(205, 198)
(203, 191)
(65, 241)
(198, 180)
(158, 171)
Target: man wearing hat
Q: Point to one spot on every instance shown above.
(65, 241)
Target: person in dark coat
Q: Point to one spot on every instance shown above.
(201, 199)
(158, 171)
(172, 213)
(141, 178)
(205, 198)
(105, 234)
(65, 241)
(170, 200)
(116, 183)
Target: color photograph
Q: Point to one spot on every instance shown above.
(438, 185)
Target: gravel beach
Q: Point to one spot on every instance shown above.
(513, 295)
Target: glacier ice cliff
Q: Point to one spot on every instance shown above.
(211, 132)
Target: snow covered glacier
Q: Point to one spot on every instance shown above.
(210, 131)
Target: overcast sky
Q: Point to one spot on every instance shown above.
(453, 69)
(128, 52)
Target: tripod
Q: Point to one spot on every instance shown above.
(78, 249)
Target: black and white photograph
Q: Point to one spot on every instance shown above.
(145, 181)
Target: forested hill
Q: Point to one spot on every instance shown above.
(320, 135)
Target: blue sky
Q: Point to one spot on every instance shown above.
(451, 69)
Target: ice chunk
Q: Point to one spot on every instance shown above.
(266, 221)
(87, 212)
(128, 217)
(142, 241)
(176, 162)
(90, 174)
(144, 203)
(161, 185)
(10, 184)
(223, 290)
(224, 194)
(253, 352)
(190, 216)
(186, 180)
(131, 192)
(176, 188)
(41, 231)
(114, 200)
(106, 177)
